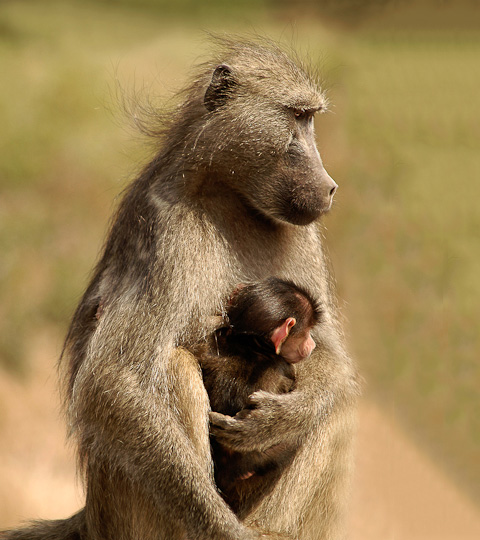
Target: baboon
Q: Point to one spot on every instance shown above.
(267, 330)
(233, 194)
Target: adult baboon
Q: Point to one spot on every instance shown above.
(233, 195)
(266, 331)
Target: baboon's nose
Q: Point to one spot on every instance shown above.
(332, 189)
(329, 185)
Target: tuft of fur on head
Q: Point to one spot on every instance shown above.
(250, 60)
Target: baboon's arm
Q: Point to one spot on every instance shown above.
(132, 427)
(288, 418)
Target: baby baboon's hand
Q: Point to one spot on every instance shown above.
(269, 420)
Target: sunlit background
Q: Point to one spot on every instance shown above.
(402, 140)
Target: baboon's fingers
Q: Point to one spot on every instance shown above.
(221, 420)
(243, 434)
(228, 431)
(258, 399)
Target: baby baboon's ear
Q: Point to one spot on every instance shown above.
(280, 334)
(220, 88)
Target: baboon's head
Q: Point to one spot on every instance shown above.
(257, 132)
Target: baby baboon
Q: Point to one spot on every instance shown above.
(233, 195)
(267, 331)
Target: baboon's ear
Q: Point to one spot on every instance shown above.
(220, 87)
(280, 334)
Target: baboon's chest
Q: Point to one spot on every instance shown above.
(287, 253)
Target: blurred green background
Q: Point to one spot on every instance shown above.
(402, 141)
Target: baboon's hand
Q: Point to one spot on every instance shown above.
(270, 419)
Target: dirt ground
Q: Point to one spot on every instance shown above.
(398, 493)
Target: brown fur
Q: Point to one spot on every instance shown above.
(229, 381)
(239, 359)
(231, 196)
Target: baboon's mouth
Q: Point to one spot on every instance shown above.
(328, 206)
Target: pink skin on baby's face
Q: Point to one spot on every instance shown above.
(298, 347)
(293, 348)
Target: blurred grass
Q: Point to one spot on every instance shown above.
(413, 233)
(402, 142)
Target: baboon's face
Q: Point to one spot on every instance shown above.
(265, 144)
(296, 188)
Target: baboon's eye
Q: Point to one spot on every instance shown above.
(305, 115)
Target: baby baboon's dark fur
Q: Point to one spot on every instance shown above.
(240, 358)
(232, 195)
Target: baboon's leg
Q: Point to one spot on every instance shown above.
(120, 509)
(190, 402)
(309, 500)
